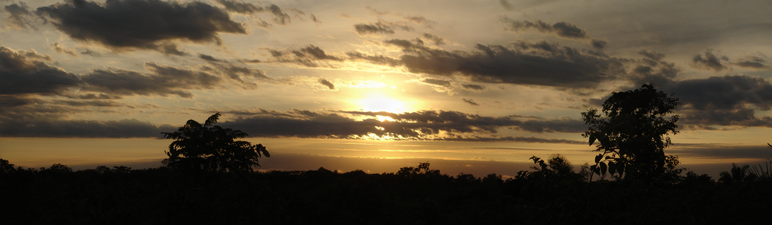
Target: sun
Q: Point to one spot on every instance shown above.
(379, 103)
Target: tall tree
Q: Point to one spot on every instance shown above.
(211, 148)
(633, 133)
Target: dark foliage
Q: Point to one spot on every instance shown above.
(211, 148)
(551, 194)
(633, 134)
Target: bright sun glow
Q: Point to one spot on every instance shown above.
(377, 104)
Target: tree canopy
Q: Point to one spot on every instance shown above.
(633, 132)
(211, 148)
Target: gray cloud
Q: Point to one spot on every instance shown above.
(380, 27)
(471, 102)
(412, 125)
(598, 44)
(327, 84)
(142, 24)
(90, 53)
(709, 61)
(310, 56)
(62, 50)
(561, 29)
(434, 38)
(473, 87)
(22, 72)
(39, 127)
(438, 82)
(162, 80)
(752, 62)
(20, 16)
(526, 63)
(724, 92)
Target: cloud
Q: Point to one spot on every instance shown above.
(20, 16)
(471, 102)
(310, 56)
(473, 87)
(525, 63)
(380, 27)
(421, 125)
(40, 127)
(709, 61)
(327, 84)
(434, 38)
(598, 44)
(437, 82)
(162, 80)
(141, 24)
(560, 29)
(90, 53)
(62, 50)
(23, 72)
(752, 62)
(724, 92)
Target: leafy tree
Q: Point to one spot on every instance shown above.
(6, 167)
(633, 133)
(211, 148)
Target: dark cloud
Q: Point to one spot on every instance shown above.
(412, 125)
(416, 19)
(232, 70)
(90, 53)
(752, 62)
(20, 16)
(39, 127)
(709, 61)
(473, 87)
(8, 101)
(313, 18)
(379, 59)
(62, 50)
(651, 55)
(327, 84)
(434, 38)
(724, 92)
(279, 16)
(438, 82)
(561, 29)
(380, 27)
(240, 7)
(141, 24)
(598, 44)
(208, 58)
(653, 69)
(22, 72)
(471, 102)
(310, 56)
(162, 80)
(525, 63)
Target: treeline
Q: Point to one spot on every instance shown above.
(552, 192)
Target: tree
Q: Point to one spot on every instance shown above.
(633, 133)
(211, 148)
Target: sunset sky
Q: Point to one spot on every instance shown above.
(470, 86)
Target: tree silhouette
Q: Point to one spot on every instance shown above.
(211, 148)
(633, 133)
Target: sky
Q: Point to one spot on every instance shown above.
(469, 86)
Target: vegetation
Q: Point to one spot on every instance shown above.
(633, 133)
(211, 148)
(414, 195)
